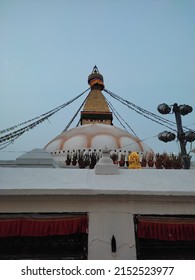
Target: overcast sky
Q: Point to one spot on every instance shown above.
(144, 49)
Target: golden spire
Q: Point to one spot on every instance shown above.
(96, 109)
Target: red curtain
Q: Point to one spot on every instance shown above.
(43, 227)
(166, 229)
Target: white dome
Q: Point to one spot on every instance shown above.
(96, 136)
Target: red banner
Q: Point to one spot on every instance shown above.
(166, 229)
(43, 227)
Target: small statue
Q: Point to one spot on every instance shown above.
(134, 161)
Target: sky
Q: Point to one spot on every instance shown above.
(145, 49)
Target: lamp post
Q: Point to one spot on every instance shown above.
(183, 137)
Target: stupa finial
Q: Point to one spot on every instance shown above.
(95, 70)
(95, 79)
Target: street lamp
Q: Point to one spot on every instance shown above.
(183, 137)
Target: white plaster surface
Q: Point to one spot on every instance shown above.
(110, 201)
(86, 182)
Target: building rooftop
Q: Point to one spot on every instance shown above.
(45, 181)
(34, 158)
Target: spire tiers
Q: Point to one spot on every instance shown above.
(96, 109)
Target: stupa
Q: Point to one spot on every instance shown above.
(96, 130)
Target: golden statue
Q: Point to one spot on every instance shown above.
(134, 161)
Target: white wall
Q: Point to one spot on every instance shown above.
(108, 215)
